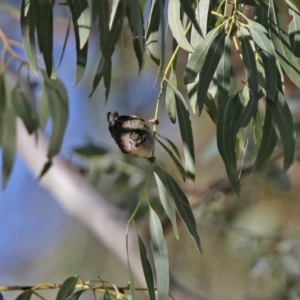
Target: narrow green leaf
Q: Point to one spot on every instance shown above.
(81, 53)
(59, 112)
(8, 140)
(83, 16)
(147, 269)
(188, 9)
(212, 58)
(184, 209)
(90, 150)
(109, 46)
(160, 255)
(96, 4)
(282, 44)
(186, 132)
(175, 155)
(257, 129)
(162, 37)
(197, 58)
(27, 22)
(152, 32)
(192, 93)
(65, 42)
(76, 295)
(106, 295)
(44, 109)
(170, 97)
(267, 53)
(211, 108)
(132, 289)
(1, 296)
(168, 204)
(135, 17)
(176, 25)
(284, 121)
(226, 140)
(268, 141)
(24, 109)
(25, 295)
(294, 28)
(67, 288)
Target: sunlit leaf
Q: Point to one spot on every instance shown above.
(176, 25)
(184, 209)
(175, 155)
(170, 97)
(147, 270)
(167, 203)
(226, 140)
(294, 28)
(282, 44)
(267, 53)
(28, 33)
(283, 119)
(257, 129)
(76, 295)
(67, 288)
(268, 141)
(83, 16)
(25, 295)
(197, 58)
(160, 255)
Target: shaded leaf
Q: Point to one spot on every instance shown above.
(90, 150)
(65, 42)
(226, 140)
(136, 22)
(67, 288)
(147, 269)
(28, 33)
(268, 141)
(188, 9)
(294, 28)
(160, 255)
(109, 47)
(132, 288)
(76, 295)
(106, 295)
(44, 109)
(1, 296)
(176, 25)
(186, 132)
(282, 44)
(197, 58)
(25, 295)
(170, 97)
(175, 155)
(211, 108)
(46, 168)
(212, 58)
(283, 119)
(167, 203)
(24, 109)
(162, 37)
(8, 140)
(267, 53)
(184, 209)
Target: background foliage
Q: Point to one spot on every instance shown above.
(195, 47)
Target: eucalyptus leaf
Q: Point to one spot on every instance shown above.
(188, 9)
(65, 42)
(76, 295)
(67, 288)
(25, 295)
(132, 286)
(294, 28)
(170, 97)
(160, 255)
(147, 269)
(106, 295)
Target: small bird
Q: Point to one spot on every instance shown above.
(132, 134)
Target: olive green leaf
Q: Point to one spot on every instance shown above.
(184, 209)
(147, 269)
(67, 288)
(168, 203)
(25, 295)
(211, 107)
(65, 42)
(284, 121)
(226, 139)
(109, 47)
(27, 22)
(76, 295)
(106, 295)
(282, 45)
(24, 109)
(294, 28)
(268, 141)
(267, 53)
(90, 150)
(170, 97)
(80, 38)
(257, 129)
(160, 255)
(176, 25)
(132, 289)
(135, 18)
(197, 58)
(172, 150)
